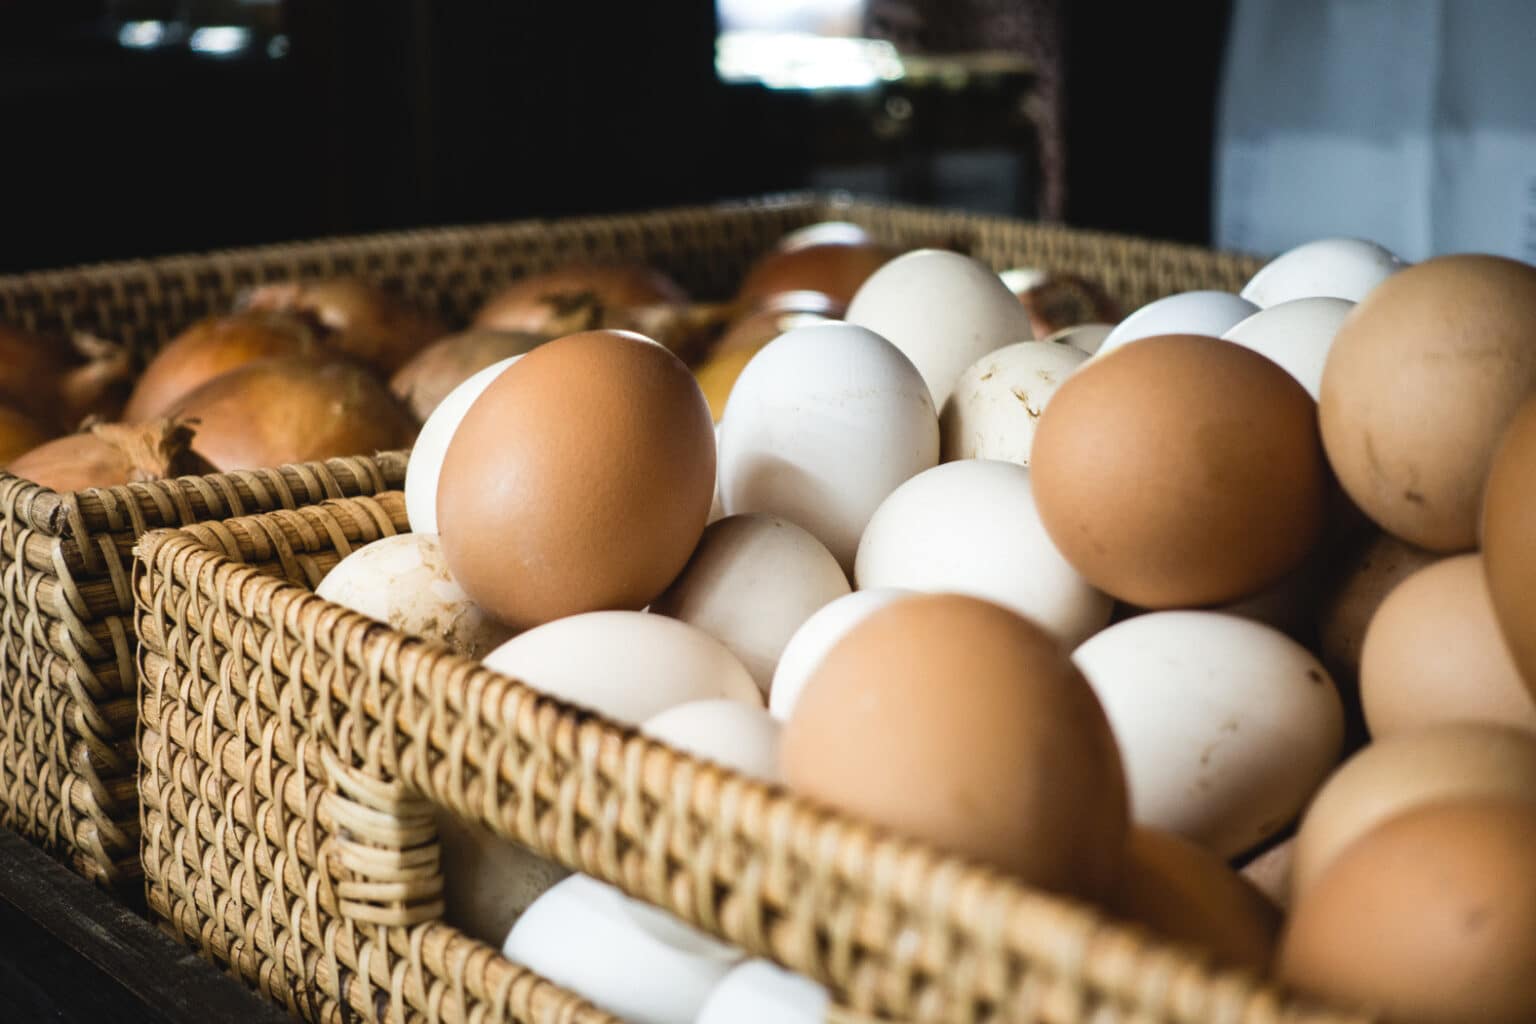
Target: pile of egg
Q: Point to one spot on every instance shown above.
(1103, 611)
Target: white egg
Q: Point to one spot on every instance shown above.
(971, 527)
(625, 665)
(426, 460)
(1296, 334)
(580, 936)
(1340, 268)
(998, 400)
(404, 582)
(727, 732)
(751, 582)
(818, 635)
(1084, 337)
(942, 309)
(1208, 313)
(1226, 727)
(759, 992)
(823, 423)
(488, 881)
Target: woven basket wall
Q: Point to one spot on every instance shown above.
(293, 752)
(66, 645)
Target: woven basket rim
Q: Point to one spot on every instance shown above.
(1109, 955)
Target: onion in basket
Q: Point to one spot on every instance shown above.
(109, 454)
(19, 433)
(60, 385)
(435, 371)
(361, 320)
(276, 411)
(577, 297)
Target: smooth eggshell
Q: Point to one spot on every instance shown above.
(627, 666)
(1206, 313)
(750, 584)
(426, 461)
(579, 480)
(1226, 726)
(992, 412)
(1341, 268)
(1186, 893)
(943, 310)
(740, 736)
(953, 721)
(1422, 380)
(580, 936)
(1451, 761)
(1434, 653)
(1509, 539)
(1296, 334)
(971, 527)
(1367, 575)
(815, 637)
(1181, 471)
(759, 992)
(1430, 918)
(404, 582)
(824, 423)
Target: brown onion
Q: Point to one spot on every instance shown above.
(1057, 301)
(110, 454)
(445, 364)
(60, 384)
(578, 297)
(19, 433)
(294, 409)
(211, 347)
(358, 319)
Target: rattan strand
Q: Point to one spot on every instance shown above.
(237, 662)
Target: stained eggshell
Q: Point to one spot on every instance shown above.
(750, 584)
(1422, 380)
(1430, 918)
(1186, 893)
(943, 310)
(1343, 268)
(425, 467)
(1180, 471)
(579, 480)
(971, 527)
(404, 582)
(954, 721)
(992, 412)
(1226, 726)
(1297, 335)
(1509, 539)
(815, 637)
(824, 423)
(628, 666)
(1206, 313)
(1434, 653)
(1455, 760)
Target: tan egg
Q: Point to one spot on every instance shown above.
(1270, 872)
(1188, 894)
(1393, 775)
(1180, 471)
(954, 721)
(1509, 539)
(833, 263)
(717, 376)
(1420, 383)
(1368, 575)
(579, 480)
(782, 312)
(1428, 919)
(1434, 653)
(752, 581)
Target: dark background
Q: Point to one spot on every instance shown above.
(401, 113)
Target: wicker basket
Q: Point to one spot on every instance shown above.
(293, 753)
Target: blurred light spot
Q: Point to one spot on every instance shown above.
(220, 40)
(141, 35)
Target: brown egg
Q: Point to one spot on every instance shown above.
(718, 376)
(1429, 919)
(1421, 380)
(829, 259)
(580, 480)
(576, 297)
(1188, 894)
(1368, 574)
(1434, 653)
(1270, 872)
(781, 313)
(1180, 471)
(1393, 775)
(1509, 539)
(954, 721)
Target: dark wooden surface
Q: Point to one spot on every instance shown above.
(69, 953)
